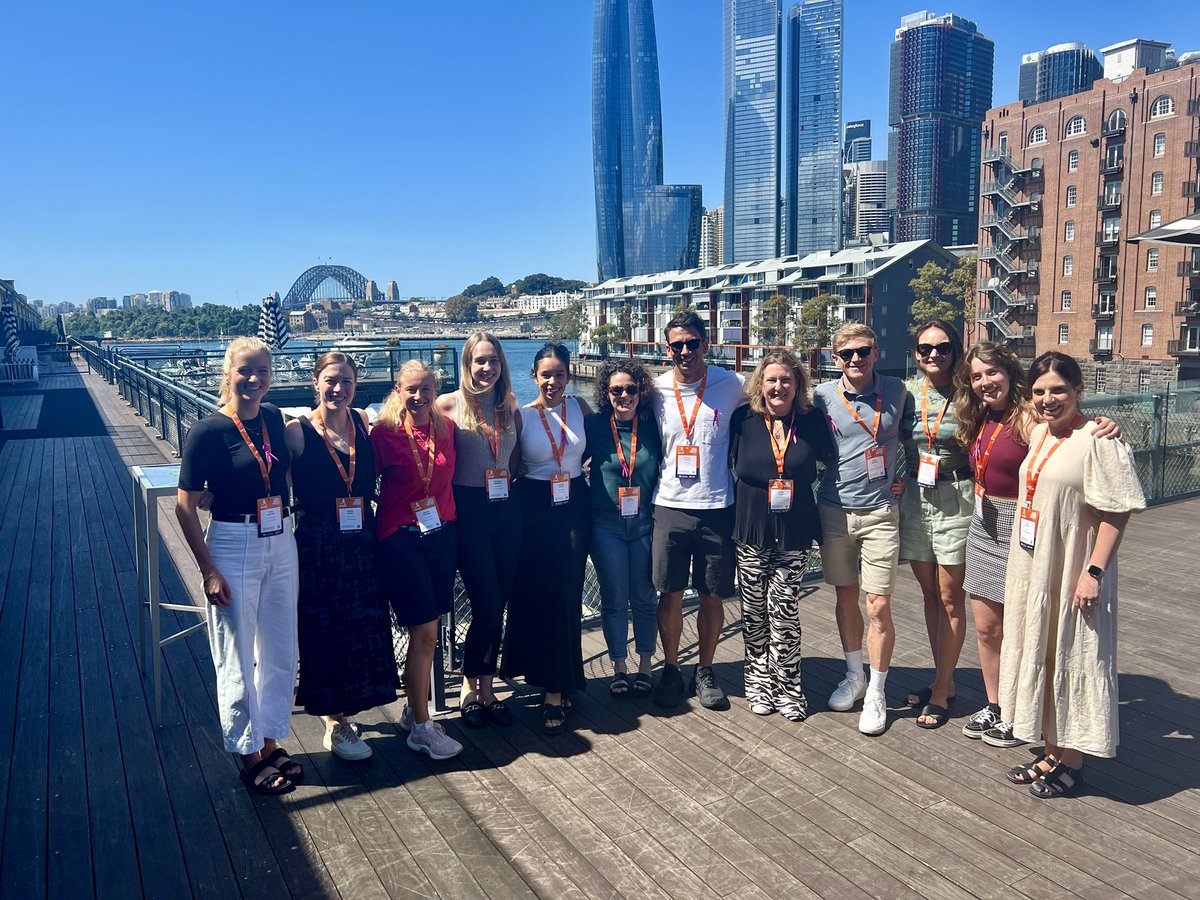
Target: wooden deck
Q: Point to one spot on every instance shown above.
(95, 801)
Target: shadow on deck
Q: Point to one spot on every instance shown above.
(94, 801)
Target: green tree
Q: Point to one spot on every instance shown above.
(568, 324)
(489, 287)
(941, 293)
(461, 308)
(541, 283)
(772, 325)
(812, 322)
(609, 333)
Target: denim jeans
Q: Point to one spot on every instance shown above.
(621, 555)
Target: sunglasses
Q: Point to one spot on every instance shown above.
(850, 352)
(690, 343)
(945, 348)
(620, 390)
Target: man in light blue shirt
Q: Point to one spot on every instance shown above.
(856, 498)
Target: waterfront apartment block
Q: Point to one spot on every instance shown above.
(869, 284)
(940, 87)
(1064, 184)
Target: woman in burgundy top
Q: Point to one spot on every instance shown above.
(414, 454)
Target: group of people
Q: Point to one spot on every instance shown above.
(675, 482)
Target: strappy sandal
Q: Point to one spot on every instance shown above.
(619, 686)
(554, 720)
(1052, 785)
(473, 714)
(288, 767)
(1032, 772)
(263, 785)
(498, 713)
(939, 714)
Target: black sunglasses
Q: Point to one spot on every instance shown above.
(945, 348)
(690, 343)
(850, 352)
(620, 390)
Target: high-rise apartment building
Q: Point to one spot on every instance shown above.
(813, 184)
(866, 207)
(856, 147)
(751, 117)
(1058, 71)
(940, 90)
(712, 237)
(1064, 184)
(642, 225)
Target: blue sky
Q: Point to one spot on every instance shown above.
(221, 149)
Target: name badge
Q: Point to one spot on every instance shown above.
(1027, 530)
(781, 492)
(927, 470)
(687, 461)
(629, 499)
(349, 513)
(427, 515)
(876, 463)
(497, 484)
(270, 516)
(979, 492)
(560, 488)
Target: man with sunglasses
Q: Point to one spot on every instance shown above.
(693, 505)
(867, 414)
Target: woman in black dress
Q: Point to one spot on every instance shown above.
(344, 626)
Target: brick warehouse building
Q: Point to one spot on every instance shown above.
(1064, 183)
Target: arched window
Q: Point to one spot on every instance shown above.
(1116, 121)
(1160, 144)
(1162, 106)
(1073, 161)
(1071, 195)
(1151, 298)
(1156, 183)
(1037, 134)
(1068, 265)
(1155, 218)
(1069, 230)
(1077, 125)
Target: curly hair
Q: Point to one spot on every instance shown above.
(780, 356)
(635, 370)
(969, 408)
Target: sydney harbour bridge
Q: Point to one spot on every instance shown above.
(326, 282)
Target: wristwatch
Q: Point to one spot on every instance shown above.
(1096, 572)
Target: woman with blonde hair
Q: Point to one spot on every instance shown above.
(247, 559)
(413, 444)
(775, 443)
(487, 456)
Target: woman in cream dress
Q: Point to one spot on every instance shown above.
(1058, 664)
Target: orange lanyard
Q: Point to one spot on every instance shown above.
(555, 448)
(347, 477)
(981, 462)
(493, 434)
(626, 467)
(937, 426)
(264, 467)
(425, 473)
(689, 424)
(873, 432)
(1031, 477)
(777, 450)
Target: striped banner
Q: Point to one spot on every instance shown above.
(8, 323)
(272, 323)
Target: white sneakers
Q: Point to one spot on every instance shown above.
(848, 692)
(873, 718)
(344, 741)
(430, 739)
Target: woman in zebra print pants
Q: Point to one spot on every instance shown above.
(775, 443)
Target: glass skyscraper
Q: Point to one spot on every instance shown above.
(1060, 71)
(813, 186)
(940, 90)
(752, 107)
(857, 145)
(642, 225)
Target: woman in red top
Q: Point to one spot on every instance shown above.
(414, 454)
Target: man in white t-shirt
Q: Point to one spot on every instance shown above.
(693, 505)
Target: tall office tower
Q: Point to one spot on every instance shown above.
(940, 90)
(1059, 71)
(752, 94)
(642, 225)
(712, 237)
(869, 210)
(856, 147)
(813, 185)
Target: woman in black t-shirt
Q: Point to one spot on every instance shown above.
(248, 561)
(775, 443)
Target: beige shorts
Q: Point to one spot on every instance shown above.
(861, 545)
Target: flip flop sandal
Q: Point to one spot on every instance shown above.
(288, 767)
(263, 786)
(619, 686)
(939, 714)
(473, 714)
(923, 696)
(554, 719)
(499, 713)
(642, 683)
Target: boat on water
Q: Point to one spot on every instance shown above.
(350, 343)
